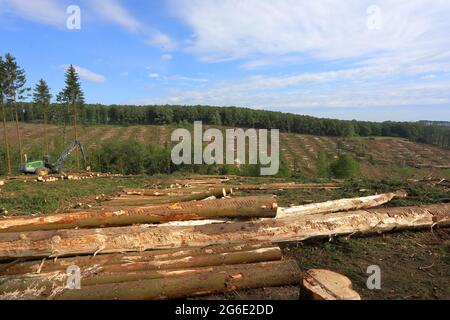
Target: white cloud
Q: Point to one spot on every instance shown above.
(87, 74)
(185, 79)
(166, 57)
(113, 11)
(153, 75)
(324, 30)
(50, 12)
(315, 90)
(162, 40)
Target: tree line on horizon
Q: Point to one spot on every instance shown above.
(70, 108)
(91, 114)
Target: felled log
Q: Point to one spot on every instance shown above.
(339, 205)
(189, 194)
(258, 206)
(153, 260)
(153, 285)
(122, 239)
(157, 196)
(321, 284)
(285, 186)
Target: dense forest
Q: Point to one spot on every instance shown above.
(234, 116)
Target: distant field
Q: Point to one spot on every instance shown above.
(379, 157)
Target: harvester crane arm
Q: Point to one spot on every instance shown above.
(60, 162)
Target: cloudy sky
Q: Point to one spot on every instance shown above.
(354, 59)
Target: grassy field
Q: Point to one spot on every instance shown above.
(379, 157)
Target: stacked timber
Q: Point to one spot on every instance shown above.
(186, 248)
(159, 274)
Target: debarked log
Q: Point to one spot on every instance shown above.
(153, 284)
(340, 205)
(154, 259)
(140, 238)
(256, 206)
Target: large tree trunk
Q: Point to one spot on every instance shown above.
(339, 205)
(139, 238)
(154, 260)
(153, 284)
(260, 206)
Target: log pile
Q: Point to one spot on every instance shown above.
(189, 246)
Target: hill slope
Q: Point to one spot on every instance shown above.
(379, 157)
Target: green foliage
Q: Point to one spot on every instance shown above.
(14, 80)
(345, 167)
(406, 172)
(41, 94)
(322, 163)
(126, 157)
(72, 93)
(157, 160)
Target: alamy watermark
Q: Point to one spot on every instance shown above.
(374, 20)
(73, 21)
(236, 149)
(374, 280)
(73, 277)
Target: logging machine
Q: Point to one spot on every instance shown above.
(45, 166)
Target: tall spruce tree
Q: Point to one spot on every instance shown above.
(2, 104)
(15, 90)
(42, 97)
(73, 97)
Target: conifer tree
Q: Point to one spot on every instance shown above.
(42, 97)
(73, 97)
(15, 90)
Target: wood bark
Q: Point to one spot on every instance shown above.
(139, 238)
(191, 194)
(153, 284)
(258, 206)
(321, 284)
(285, 186)
(339, 205)
(153, 260)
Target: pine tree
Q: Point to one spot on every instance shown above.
(42, 97)
(2, 103)
(73, 97)
(15, 90)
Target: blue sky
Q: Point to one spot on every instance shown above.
(355, 59)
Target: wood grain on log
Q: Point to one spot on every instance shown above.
(339, 205)
(321, 284)
(154, 260)
(153, 284)
(122, 239)
(257, 206)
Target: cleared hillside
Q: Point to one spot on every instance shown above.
(379, 157)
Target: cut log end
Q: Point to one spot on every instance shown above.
(321, 284)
